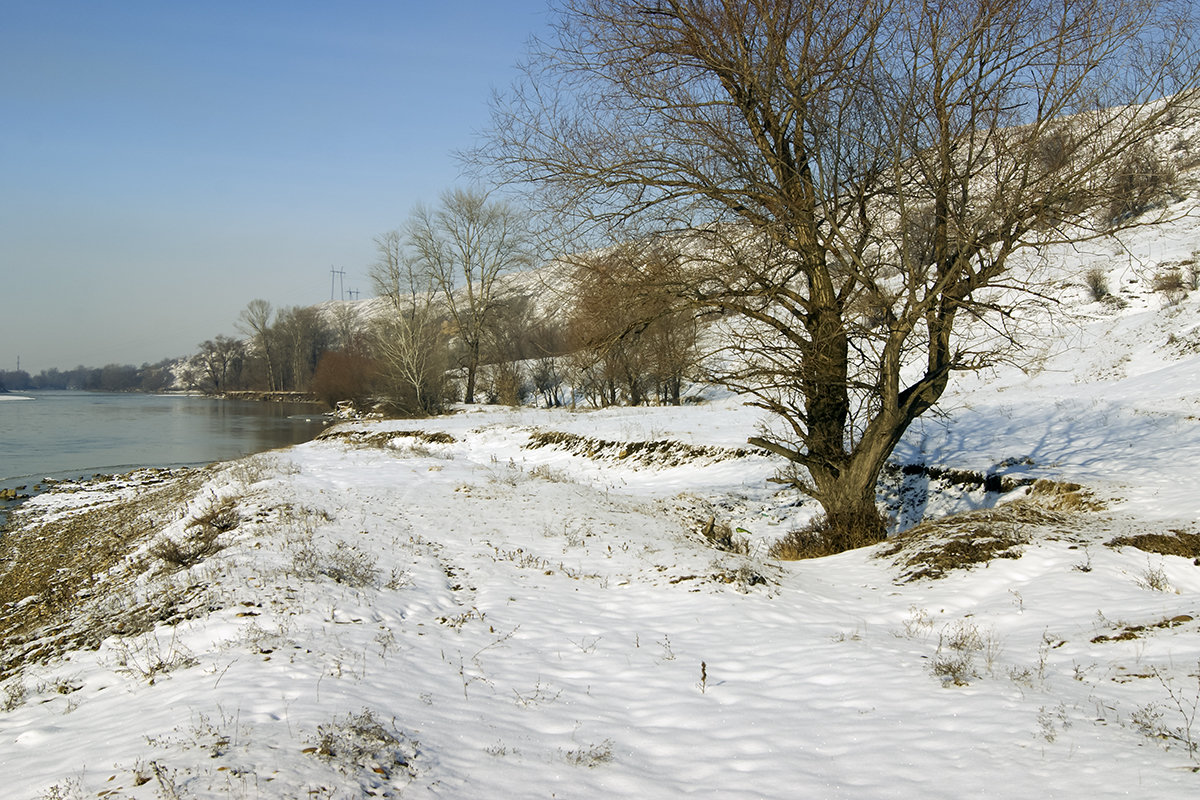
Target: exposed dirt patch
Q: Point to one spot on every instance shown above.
(1137, 631)
(658, 453)
(935, 548)
(970, 479)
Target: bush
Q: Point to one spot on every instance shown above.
(1140, 179)
(820, 537)
(1097, 283)
(200, 539)
(343, 376)
(507, 385)
(1171, 285)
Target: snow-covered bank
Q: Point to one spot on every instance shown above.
(523, 603)
(441, 610)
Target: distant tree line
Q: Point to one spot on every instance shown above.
(111, 378)
(280, 352)
(455, 321)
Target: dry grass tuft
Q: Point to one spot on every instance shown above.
(1175, 543)
(1062, 496)
(935, 548)
(362, 746)
(661, 453)
(201, 538)
(819, 538)
(721, 536)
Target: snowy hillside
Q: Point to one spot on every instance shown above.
(506, 603)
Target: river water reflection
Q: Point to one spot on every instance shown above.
(72, 434)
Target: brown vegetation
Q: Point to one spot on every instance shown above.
(52, 562)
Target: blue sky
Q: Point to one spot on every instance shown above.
(163, 163)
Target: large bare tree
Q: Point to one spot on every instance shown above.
(856, 179)
(464, 246)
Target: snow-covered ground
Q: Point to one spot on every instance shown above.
(447, 609)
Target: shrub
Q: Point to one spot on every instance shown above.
(201, 537)
(1140, 179)
(192, 549)
(1097, 283)
(1170, 284)
(820, 538)
(507, 385)
(343, 376)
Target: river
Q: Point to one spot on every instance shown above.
(72, 434)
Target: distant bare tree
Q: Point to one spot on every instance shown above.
(408, 342)
(393, 275)
(221, 362)
(347, 327)
(464, 246)
(856, 180)
(303, 338)
(643, 335)
(255, 323)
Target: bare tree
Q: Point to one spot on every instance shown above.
(303, 339)
(408, 342)
(255, 323)
(464, 246)
(393, 274)
(221, 362)
(856, 180)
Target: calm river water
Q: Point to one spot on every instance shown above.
(72, 434)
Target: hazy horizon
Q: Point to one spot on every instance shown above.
(165, 164)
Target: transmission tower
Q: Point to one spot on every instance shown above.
(338, 275)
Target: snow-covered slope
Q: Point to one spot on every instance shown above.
(523, 603)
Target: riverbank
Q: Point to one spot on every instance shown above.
(272, 397)
(486, 605)
(527, 602)
(67, 435)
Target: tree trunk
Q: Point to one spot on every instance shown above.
(469, 396)
(847, 495)
(472, 370)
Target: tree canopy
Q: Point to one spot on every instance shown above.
(846, 181)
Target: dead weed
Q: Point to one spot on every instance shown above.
(384, 439)
(935, 548)
(662, 453)
(1175, 543)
